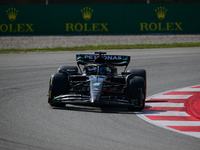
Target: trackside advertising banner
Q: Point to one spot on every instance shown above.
(99, 19)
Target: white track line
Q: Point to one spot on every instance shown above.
(164, 105)
(195, 134)
(178, 123)
(189, 89)
(171, 97)
(166, 113)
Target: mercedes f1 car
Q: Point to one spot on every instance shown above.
(96, 82)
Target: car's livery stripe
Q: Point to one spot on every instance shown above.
(177, 110)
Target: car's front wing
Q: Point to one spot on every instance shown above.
(80, 99)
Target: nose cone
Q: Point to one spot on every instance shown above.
(96, 85)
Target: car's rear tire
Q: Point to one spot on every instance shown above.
(59, 85)
(136, 91)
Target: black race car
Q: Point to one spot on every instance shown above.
(97, 83)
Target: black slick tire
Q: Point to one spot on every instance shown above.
(141, 73)
(136, 91)
(58, 85)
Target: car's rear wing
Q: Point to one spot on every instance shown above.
(116, 60)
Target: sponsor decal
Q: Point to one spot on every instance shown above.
(161, 26)
(161, 12)
(107, 57)
(96, 79)
(15, 27)
(85, 26)
(12, 13)
(96, 84)
(133, 101)
(87, 13)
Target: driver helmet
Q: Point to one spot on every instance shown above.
(90, 70)
(102, 71)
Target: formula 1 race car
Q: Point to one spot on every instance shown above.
(97, 83)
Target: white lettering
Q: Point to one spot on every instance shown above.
(107, 57)
(119, 57)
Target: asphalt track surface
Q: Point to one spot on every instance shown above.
(28, 122)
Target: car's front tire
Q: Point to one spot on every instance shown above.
(59, 84)
(141, 73)
(136, 91)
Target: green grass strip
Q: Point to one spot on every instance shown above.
(101, 47)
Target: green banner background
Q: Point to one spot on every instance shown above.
(105, 19)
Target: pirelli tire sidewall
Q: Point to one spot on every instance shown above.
(59, 85)
(135, 83)
(142, 73)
